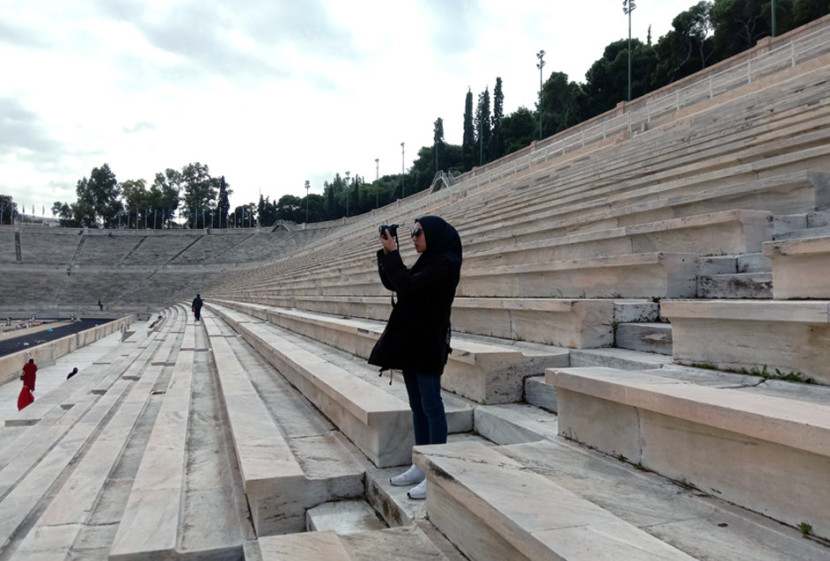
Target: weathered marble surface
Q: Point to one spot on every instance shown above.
(526, 516)
(792, 336)
(800, 268)
(343, 517)
(719, 438)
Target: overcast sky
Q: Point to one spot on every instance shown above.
(270, 93)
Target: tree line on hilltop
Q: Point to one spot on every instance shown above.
(701, 36)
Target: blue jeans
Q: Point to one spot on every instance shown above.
(428, 417)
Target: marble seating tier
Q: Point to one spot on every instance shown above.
(760, 336)
(149, 526)
(575, 323)
(727, 232)
(736, 188)
(562, 500)
(744, 147)
(800, 268)
(373, 415)
(406, 542)
(53, 472)
(482, 370)
(526, 516)
(640, 275)
(724, 436)
(278, 488)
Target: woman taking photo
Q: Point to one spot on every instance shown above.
(417, 336)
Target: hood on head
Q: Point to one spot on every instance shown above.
(441, 237)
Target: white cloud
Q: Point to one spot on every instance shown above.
(269, 93)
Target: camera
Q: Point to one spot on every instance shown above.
(391, 228)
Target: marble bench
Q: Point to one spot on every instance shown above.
(494, 508)
(405, 542)
(564, 322)
(766, 451)
(719, 233)
(376, 421)
(149, 525)
(479, 370)
(278, 490)
(800, 268)
(736, 335)
(779, 193)
(639, 275)
(57, 528)
(37, 459)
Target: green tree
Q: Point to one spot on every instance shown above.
(164, 194)
(98, 203)
(134, 192)
(805, 11)
(267, 212)
(63, 211)
(561, 103)
(468, 142)
(687, 48)
(244, 216)
(223, 205)
(483, 125)
(290, 208)
(738, 24)
(607, 79)
(496, 148)
(519, 129)
(438, 141)
(7, 209)
(200, 192)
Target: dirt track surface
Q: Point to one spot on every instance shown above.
(49, 333)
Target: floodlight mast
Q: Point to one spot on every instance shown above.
(540, 65)
(628, 7)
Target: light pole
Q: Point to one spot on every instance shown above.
(628, 7)
(402, 169)
(348, 194)
(772, 10)
(377, 176)
(540, 65)
(307, 187)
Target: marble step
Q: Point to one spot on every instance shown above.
(623, 359)
(513, 423)
(645, 337)
(343, 517)
(540, 394)
(735, 286)
(408, 542)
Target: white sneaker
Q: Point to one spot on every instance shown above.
(410, 477)
(419, 492)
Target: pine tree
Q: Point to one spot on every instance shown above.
(483, 124)
(496, 143)
(468, 143)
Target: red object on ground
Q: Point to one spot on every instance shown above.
(25, 397)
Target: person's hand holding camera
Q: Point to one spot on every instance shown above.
(387, 238)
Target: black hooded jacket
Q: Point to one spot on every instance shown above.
(417, 335)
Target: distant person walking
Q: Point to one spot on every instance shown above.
(29, 374)
(196, 308)
(74, 371)
(100, 306)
